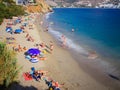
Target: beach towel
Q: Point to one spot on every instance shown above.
(27, 76)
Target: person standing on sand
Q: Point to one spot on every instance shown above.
(51, 46)
(63, 38)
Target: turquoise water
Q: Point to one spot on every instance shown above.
(94, 29)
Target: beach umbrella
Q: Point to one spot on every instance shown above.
(18, 30)
(8, 29)
(33, 51)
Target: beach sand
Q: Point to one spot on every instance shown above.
(60, 64)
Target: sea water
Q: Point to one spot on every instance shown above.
(89, 29)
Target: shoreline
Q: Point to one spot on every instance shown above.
(62, 66)
(102, 77)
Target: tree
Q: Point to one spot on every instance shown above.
(9, 10)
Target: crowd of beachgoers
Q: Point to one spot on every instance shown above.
(13, 29)
(45, 64)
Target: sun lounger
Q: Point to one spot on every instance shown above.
(34, 60)
(28, 57)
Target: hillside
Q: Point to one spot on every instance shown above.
(85, 3)
(40, 6)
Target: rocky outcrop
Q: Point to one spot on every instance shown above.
(39, 6)
(33, 8)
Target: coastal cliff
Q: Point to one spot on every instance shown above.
(39, 6)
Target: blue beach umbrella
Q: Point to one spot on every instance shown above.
(33, 51)
(8, 29)
(18, 30)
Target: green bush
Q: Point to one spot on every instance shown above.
(8, 9)
(8, 65)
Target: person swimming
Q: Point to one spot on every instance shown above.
(73, 30)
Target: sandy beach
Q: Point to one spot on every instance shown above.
(60, 64)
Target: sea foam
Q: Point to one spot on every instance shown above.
(59, 28)
(69, 43)
(48, 15)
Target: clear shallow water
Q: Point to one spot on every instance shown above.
(94, 29)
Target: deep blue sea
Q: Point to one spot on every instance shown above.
(94, 29)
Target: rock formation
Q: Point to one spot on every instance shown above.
(39, 6)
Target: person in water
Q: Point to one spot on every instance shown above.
(63, 38)
(92, 55)
(73, 30)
